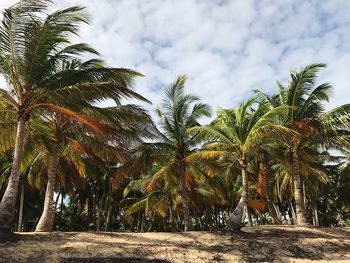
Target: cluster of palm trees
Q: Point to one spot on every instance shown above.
(49, 111)
(278, 143)
(276, 158)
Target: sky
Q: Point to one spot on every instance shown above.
(226, 48)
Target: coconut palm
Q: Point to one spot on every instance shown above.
(234, 135)
(172, 143)
(57, 132)
(304, 100)
(34, 45)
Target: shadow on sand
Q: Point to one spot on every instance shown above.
(112, 260)
(258, 244)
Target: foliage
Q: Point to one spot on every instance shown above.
(119, 171)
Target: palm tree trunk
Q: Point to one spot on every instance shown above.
(186, 199)
(292, 215)
(20, 212)
(250, 220)
(98, 219)
(298, 194)
(266, 171)
(61, 206)
(315, 213)
(178, 221)
(47, 217)
(108, 217)
(8, 202)
(235, 220)
(90, 210)
(171, 213)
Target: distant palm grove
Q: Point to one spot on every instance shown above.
(67, 164)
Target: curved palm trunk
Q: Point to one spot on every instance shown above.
(298, 194)
(47, 217)
(235, 220)
(266, 171)
(8, 202)
(186, 200)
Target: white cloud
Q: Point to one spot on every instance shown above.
(227, 48)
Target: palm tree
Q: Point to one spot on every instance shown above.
(233, 136)
(58, 132)
(33, 46)
(173, 142)
(304, 101)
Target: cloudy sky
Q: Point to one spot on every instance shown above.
(226, 48)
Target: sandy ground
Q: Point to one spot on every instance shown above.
(253, 244)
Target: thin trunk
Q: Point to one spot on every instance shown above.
(197, 223)
(250, 218)
(266, 171)
(208, 218)
(94, 209)
(186, 199)
(304, 196)
(171, 214)
(284, 213)
(61, 206)
(99, 213)
(47, 217)
(278, 212)
(105, 209)
(315, 213)
(236, 218)
(143, 222)
(298, 194)
(200, 224)
(98, 219)
(20, 213)
(8, 202)
(178, 222)
(293, 214)
(90, 210)
(216, 220)
(108, 218)
(139, 220)
(224, 217)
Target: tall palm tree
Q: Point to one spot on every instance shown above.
(172, 143)
(34, 45)
(58, 132)
(234, 135)
(304, 100)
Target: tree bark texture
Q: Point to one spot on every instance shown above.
(47, 217)
(8, 202)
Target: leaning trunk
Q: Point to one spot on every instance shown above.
(47, 218)
(186, 199)
(235, 220)
(266, 171)
(298, 194)
(8, 202)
